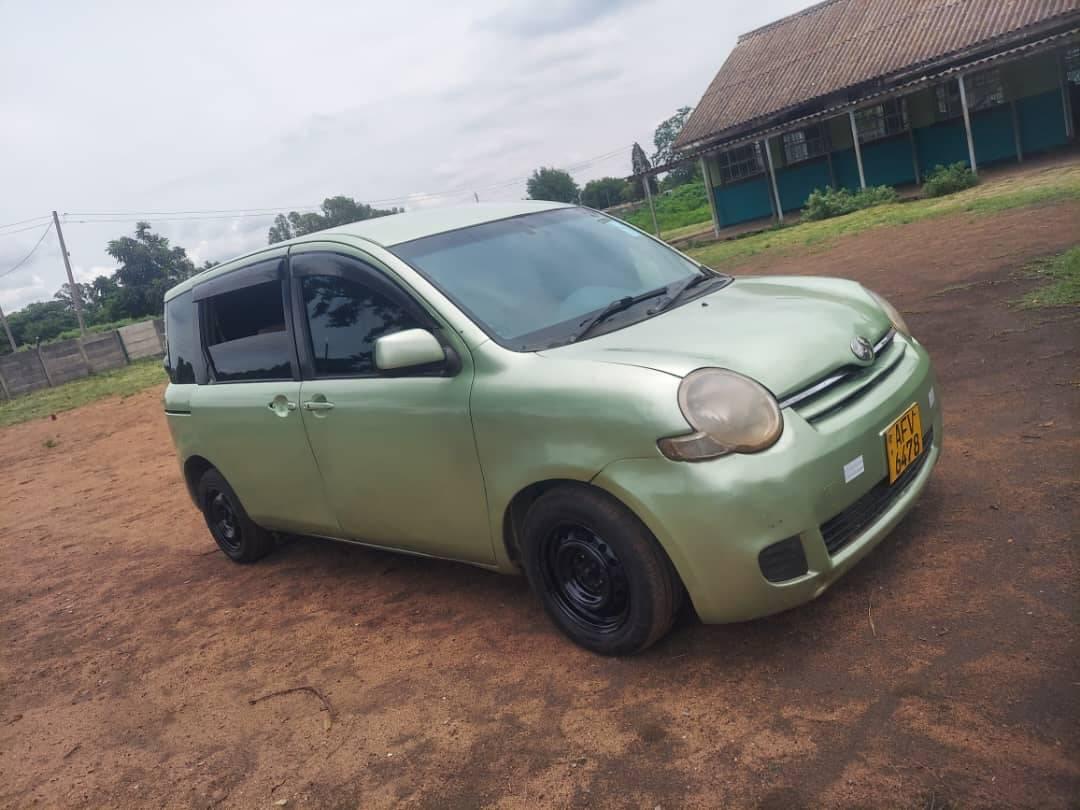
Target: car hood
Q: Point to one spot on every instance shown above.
(784, 332)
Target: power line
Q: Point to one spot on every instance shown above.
(237, 213)
(31, 253)
(222, 211)
(155, 218)
(22, 230)
(24, 221)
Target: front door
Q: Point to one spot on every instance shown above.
(396, 452)
(247, 419)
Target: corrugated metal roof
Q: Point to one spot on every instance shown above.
(841, 44)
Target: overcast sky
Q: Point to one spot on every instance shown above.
(122, 106)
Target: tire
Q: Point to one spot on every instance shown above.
(603, 578)
(235, 533)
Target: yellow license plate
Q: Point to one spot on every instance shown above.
(903, 442)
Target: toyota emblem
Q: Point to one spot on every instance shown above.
(863, 351)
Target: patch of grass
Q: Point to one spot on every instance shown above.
(1020, 190)
(1063, 276)
(687, 230)
(119, 382)
(50, 443)
(684, 206)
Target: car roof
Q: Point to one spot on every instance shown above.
(398, 228)
(390, 230)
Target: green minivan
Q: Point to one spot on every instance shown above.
(542, 388)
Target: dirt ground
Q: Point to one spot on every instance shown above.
(945, 669)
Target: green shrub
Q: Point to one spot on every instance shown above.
(833, 202)
(948, 179)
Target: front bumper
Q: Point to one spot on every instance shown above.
(714, 518)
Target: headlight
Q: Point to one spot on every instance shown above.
(891, 312)
(730, 414)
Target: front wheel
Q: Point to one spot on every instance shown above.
(236, 534)
(600, 573)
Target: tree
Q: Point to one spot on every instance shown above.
(102, 293)
(148, 267)
(336, 211)
(664, 140)
(640, 164)
(85, 292)
(41, 320)
(552, 184)
(605, 192)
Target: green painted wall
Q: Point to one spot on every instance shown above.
(941, 145)
(744, 201)
(796, 182)
(888, 162)
(846, 166)
(1042, 122)
(992, 131)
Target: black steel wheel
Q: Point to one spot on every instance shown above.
(603, 578)
(585, 578)
(235, 533)
(225, 525)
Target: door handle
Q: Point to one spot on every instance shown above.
(318, 405)
(281, 406)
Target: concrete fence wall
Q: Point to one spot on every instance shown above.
(67, 360)
(141, 340)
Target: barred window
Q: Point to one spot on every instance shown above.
(1072, 65)
(882, 120)
(948, 100)
(741, 162)
(984, 89)
(803, 144)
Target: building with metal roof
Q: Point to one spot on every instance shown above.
(857, 93)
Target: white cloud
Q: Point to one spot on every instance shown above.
(219, 104)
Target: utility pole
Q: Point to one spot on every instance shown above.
(76, 296)
(7, 331)
(646, 184)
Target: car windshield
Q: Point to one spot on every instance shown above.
(535, 281)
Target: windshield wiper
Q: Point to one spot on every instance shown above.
(686, 286)
(615, 307)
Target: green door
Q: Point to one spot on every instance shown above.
(396, 452)
(247, 420)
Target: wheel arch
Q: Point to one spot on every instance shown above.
(514, 516)
(194, 469)
(518, 507)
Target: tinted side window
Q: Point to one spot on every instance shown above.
(345, 318)
(183, 357)
(245, 333)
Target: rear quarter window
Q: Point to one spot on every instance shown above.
(183, 356)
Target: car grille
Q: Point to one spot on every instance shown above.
(845, 527)
(843, 386)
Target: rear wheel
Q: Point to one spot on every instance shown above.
(600, 573)
(236, 534)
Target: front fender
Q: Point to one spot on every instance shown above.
(538, 419)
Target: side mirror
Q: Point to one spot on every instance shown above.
(408, 349)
